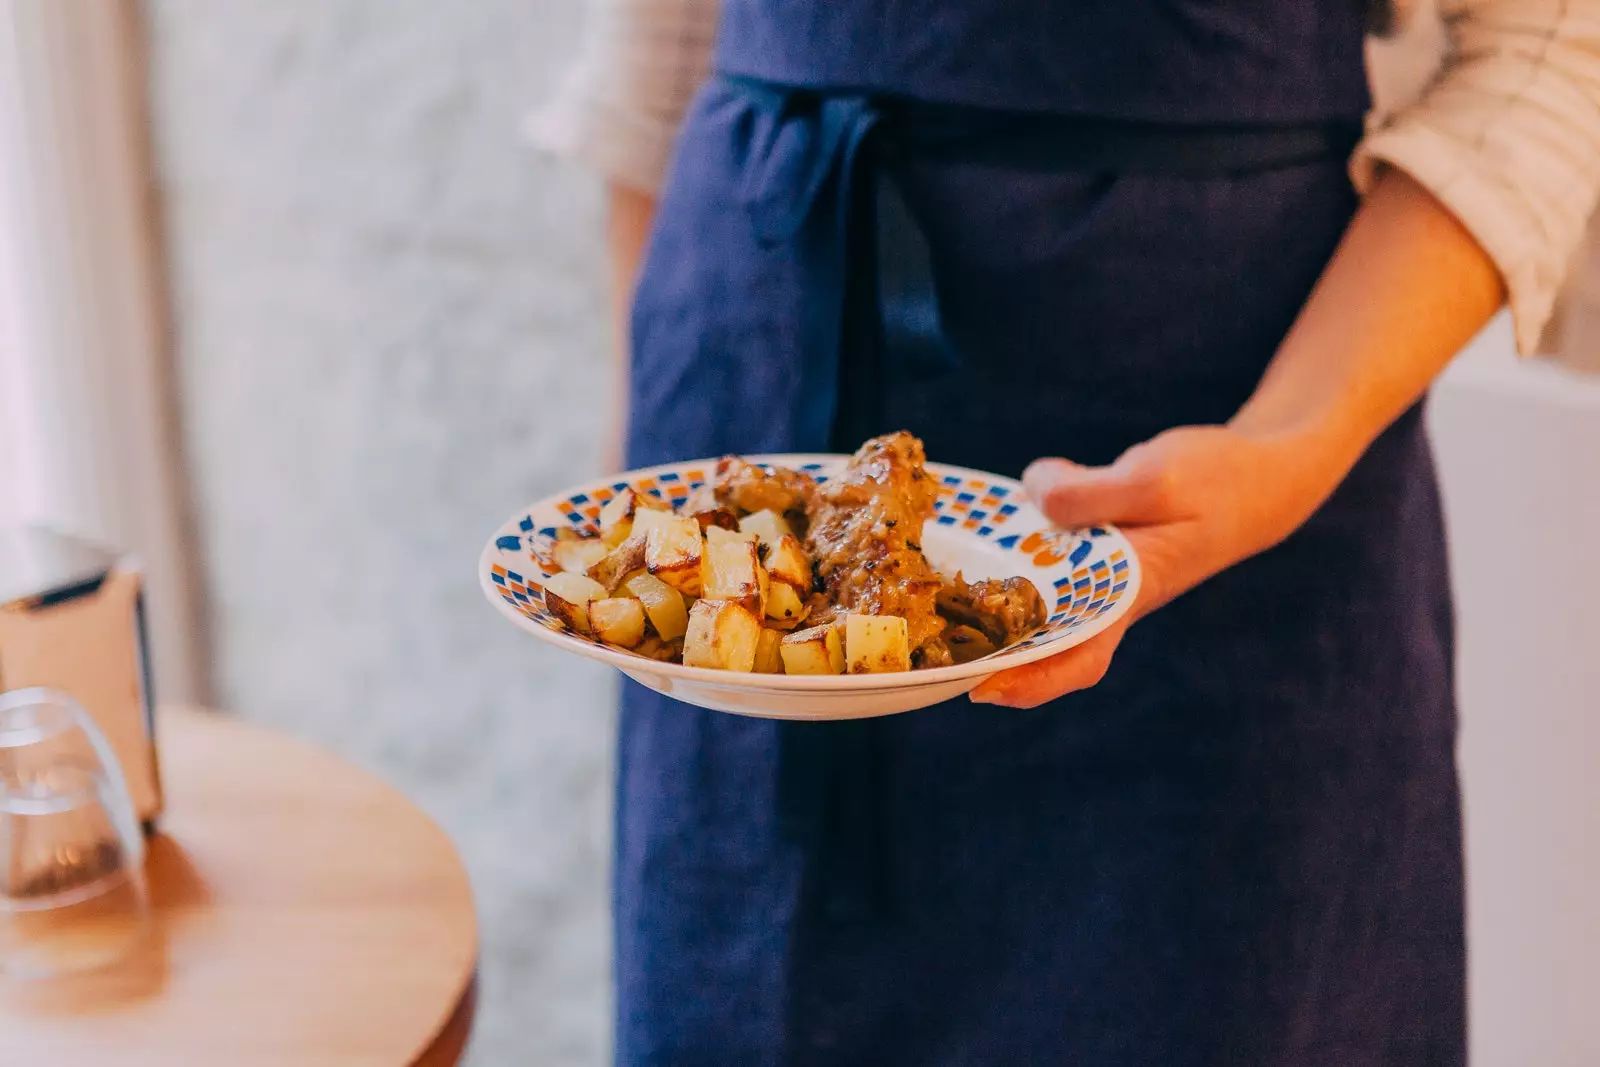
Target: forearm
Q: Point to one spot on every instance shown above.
(628, 218)
(1407, 288)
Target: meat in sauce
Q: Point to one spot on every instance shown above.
(865, 537)
(1003, 610)
(863, 532)
(748, 487)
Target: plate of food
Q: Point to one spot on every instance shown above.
(807, 586)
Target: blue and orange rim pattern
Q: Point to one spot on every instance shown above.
(1089, 570)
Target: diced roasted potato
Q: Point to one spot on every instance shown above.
(616, 517)
(716, 518)
(619, 563)
(567, 595)
(615, 529)
(875, 644)
(672, 551)
(815, 651)
(729, 571)
(653, 647)
(786, 561)
(579, 556)
(769, 658)
(647, 519)
(662, 603)
(723, 635)
(719, 533)
(784, 605)
(567, 533)
(702, 497)
(967, 643)
(769, 526)
(618, 620)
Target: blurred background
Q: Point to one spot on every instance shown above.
(287, 308)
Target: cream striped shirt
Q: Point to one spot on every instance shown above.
(1504, 130)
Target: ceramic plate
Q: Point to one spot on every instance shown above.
(984, 528)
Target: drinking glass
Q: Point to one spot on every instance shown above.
(72, 888)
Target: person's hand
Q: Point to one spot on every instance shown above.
(1192, 501)
(1407, 288)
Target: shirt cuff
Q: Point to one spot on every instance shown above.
(626, 145)
(1502, 222)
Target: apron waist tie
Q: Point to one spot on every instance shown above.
(821, 179)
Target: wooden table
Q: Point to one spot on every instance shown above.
(305, 914)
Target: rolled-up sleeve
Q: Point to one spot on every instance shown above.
(1507, 136)
(619, 106)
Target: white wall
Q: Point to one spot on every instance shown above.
(391, 332)
(1519, 456)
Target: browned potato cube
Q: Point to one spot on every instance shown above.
(647, 519)
(787, 562)
(718, 533)
(618, 514)
(617, 620)
(718, 518)
(814, 651)
(769, 658)
(652, 647)
(673, 550)
(730, 572)
(567, 595)
(784, 606)
(767, 525)
(619, 563)
(578, 556)
(722, 635)
(875, 644)
(662, 603)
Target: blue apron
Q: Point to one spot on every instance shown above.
(1242, 847)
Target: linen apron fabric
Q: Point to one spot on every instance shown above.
(1243, 846)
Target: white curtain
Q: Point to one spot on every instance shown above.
(12, 437)
(88, 443)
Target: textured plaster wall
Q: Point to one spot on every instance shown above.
(390, 332)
